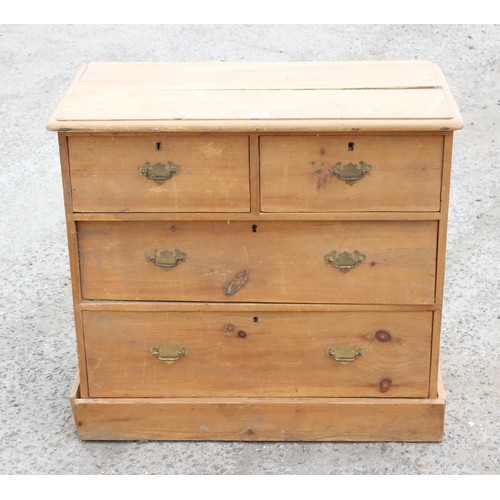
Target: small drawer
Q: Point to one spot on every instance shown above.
(159, 173)
(353, 262)
(351, 173)
(221, 354)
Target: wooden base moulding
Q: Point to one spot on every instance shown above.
(257, 419)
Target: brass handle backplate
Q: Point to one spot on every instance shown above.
(166, 259)
(169, 353)
(345, 354)
(350, 173)
(345, 261)
(159, 172)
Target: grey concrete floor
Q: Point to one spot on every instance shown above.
(37, 346)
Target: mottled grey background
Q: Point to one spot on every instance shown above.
(37, 346)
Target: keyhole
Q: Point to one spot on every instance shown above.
(350, 146)
(158, 146)
(254, 228)
(255, 319)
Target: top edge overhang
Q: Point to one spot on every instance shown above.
(258, 97)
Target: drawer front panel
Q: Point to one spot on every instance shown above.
(300, 262)
(159, 174)
(259, 354)
(351, 174)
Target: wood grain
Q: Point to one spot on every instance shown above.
(265, 75)
(260, 419)
(73, 259)
(170, 216)
(285, 261)
(213, 177)
(256, 213)
(254, 175)
(92, 103)
(335, 96)
(405, 175)
(441, 261)
(257, 355)
(117, 305)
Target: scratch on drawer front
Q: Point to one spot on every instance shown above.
(203, 428)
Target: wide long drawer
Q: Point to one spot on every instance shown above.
(301, 261)
(317, 354)
(351, 173)
(159, 173)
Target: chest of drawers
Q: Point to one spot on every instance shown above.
(257, 249)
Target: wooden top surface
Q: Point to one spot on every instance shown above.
(265, 97)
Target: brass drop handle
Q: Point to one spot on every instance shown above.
(345, 354)
(166, 259)
(345, 261)
(169, 353)
(350, 173)
(159, 172)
